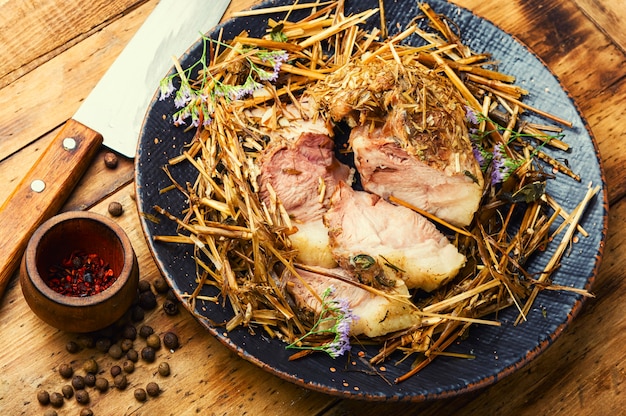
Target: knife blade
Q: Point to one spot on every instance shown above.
(111, 114)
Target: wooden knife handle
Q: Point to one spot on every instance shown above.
(43, 191)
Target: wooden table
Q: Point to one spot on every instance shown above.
(53, 52)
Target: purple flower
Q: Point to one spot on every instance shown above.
(166, 88)
(478, 155)
(470, 115)
(502, 166)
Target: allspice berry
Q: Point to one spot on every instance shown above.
(116, 370)
(116, 209)
(153, 389)
(148, 354)
(110, 160)
(43, 397)
(78, 382)
(164, 369)
(102, 384)
(66, 370)
(90, 366)
(147, 300)
(67, 391)
(72, 347)
(120, 381)
(86, 412)
(170, 340)
(82, 396)
(153, 341)
(115, 351)
(128, 366)
(90, 379)
(160, 285)
(140, 395)
(56, 399)
(50, 412)
(145, 331)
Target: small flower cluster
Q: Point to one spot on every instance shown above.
(198, 103)
(338, 312)
(502, 166)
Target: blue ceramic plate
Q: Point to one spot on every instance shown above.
(499, 351)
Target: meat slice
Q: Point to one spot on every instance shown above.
(442, 181)
(304, 173)
(377, 314)
(410, 135)
(406, 243)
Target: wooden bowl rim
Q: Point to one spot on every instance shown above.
(78, 301)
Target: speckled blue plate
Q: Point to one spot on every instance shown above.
(499, 351)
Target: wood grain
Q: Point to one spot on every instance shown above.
(581, 41)
(51, 27)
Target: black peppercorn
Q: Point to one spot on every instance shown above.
(164, 369)
(170, 340)
(78, 382)
(153, 341)
(153, 389)
(102, 384)
(115, 209)
(56, 399)
(140, 395)
(145, 331)
(148, 354)
(67, 391)
(170, 308)
(43, 397)
(90, 379)
(110, 160)
(82, 396)
(120, 381)
(116, 370)
(147, 300)
(66, 370)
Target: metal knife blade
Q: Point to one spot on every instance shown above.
(114, 109)
(117, 105)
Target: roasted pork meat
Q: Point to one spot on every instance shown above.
(377, 314)
(301, 171)
(445, 182)
(410, 135)
(407, 245)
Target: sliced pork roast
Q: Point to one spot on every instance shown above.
(377, 314)
(304, 174)
(401, 240)
(410, 135)
(443, 181)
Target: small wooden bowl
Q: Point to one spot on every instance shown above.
(54, 241)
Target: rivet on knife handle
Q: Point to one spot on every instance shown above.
(42, 192)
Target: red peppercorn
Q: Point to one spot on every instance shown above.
(81, 275)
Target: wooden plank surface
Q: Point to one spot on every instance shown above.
(583, 373)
